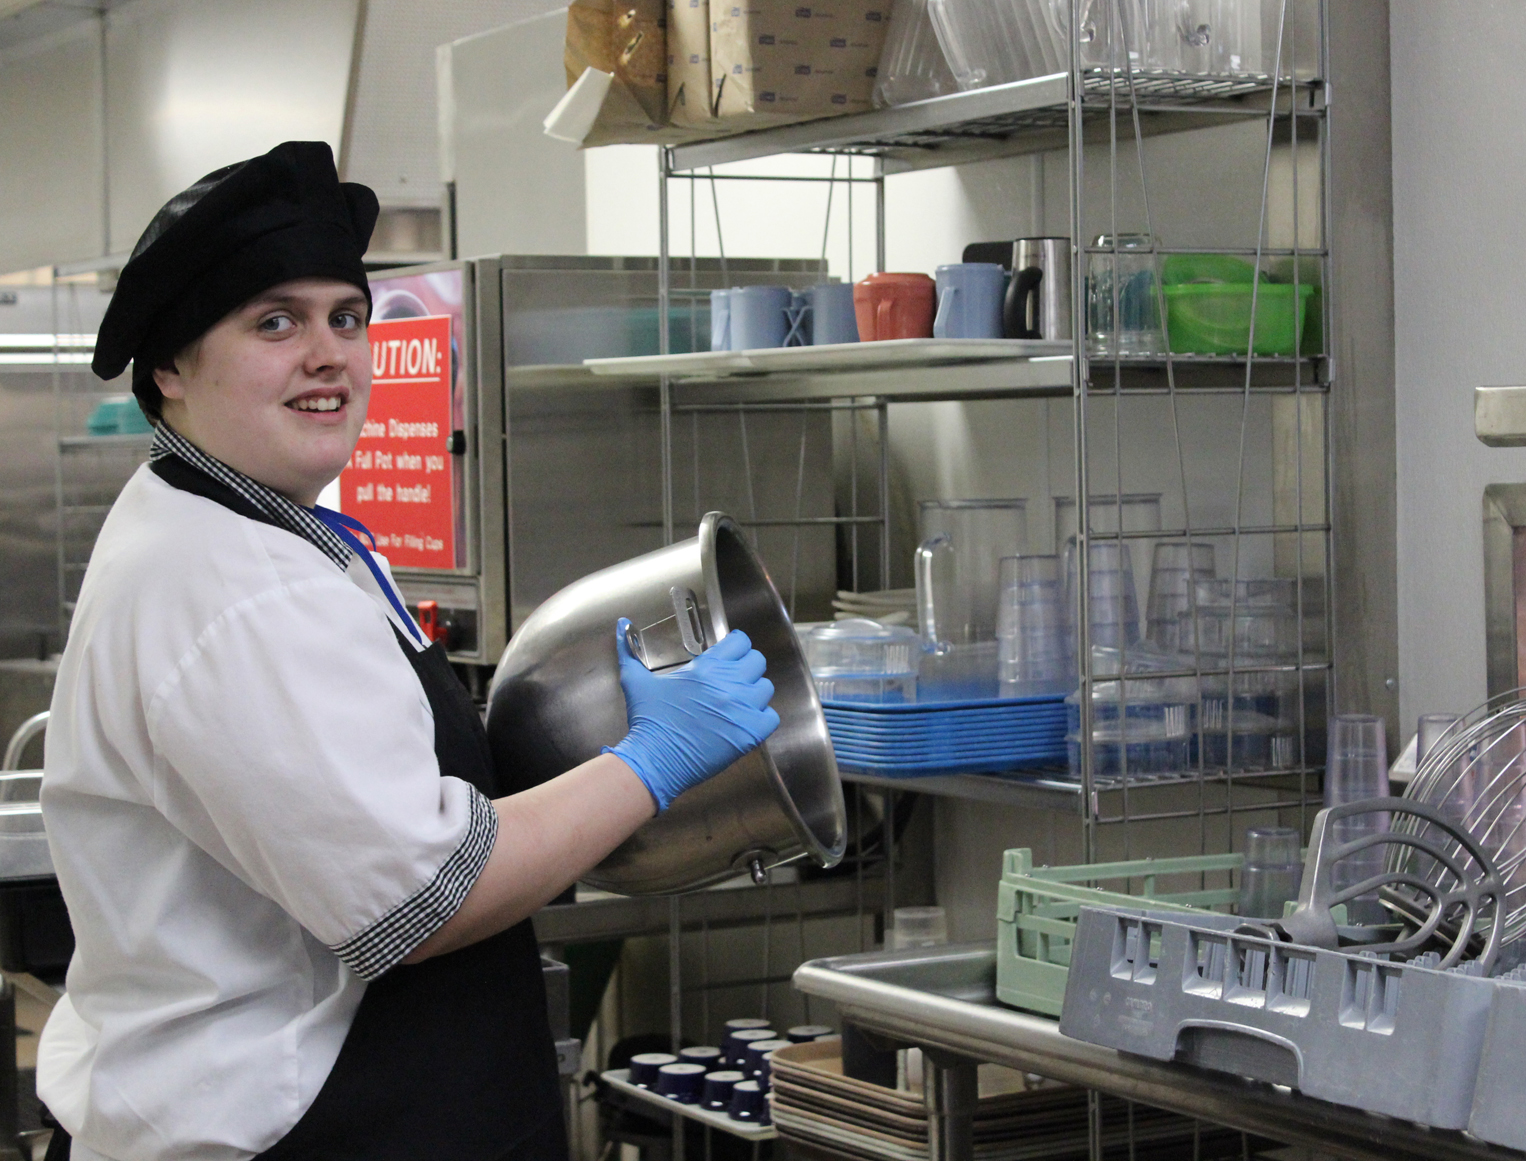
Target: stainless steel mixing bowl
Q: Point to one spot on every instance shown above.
(555, 701)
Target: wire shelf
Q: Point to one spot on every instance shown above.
(999, 119)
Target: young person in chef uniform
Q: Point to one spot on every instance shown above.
(298, 887)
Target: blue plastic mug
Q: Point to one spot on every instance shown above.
(832, 317)
(970, 298)
(759, 316)
(720, 320)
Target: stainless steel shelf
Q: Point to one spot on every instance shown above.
(1048, 376)
(945, 998)
(73, 443)
(1024, 116)
(1146, 374)
(1160, 797)
(1032, 791)
(618, 916)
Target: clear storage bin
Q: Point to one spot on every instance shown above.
(1141, 727)
(912, 66)
(863, 660)
(1123, 297)
(988, 42)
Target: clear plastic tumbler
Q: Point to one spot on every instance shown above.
(1272, 872)
(1356, 768)
(1030, 627)
(1177, 566)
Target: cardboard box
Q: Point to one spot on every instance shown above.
(775, 61)
(690, 96)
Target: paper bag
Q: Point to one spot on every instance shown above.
(625, 38)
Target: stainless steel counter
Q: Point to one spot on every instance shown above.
(945, 999)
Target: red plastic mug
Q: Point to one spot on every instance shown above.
(895, 306)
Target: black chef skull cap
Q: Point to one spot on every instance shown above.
(237, 232)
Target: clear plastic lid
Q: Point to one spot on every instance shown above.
(859, 645)
(1279, 592)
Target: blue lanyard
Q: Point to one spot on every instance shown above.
(345, 528)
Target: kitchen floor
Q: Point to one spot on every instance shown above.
(31, 1014)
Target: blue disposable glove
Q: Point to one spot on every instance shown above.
(690, 723)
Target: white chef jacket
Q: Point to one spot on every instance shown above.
(247, 819)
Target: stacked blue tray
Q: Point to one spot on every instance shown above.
(913, 740)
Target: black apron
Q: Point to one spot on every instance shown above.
(448, 1058)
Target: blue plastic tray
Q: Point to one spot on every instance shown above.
(967, 733)
(972, 744)
(937, 707)
(977, 766)
(950, 724)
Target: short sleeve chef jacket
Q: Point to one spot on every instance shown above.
(248, 821)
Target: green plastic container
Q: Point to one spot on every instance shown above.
(1213, 318)
(118, 415)
(1037, 910)
(1181, 268)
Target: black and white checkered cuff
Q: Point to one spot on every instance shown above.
(383, 945)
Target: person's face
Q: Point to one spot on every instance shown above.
(278, 389)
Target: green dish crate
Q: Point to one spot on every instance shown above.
(1037, 911)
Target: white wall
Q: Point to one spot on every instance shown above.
(1459, 168)
(51, 193)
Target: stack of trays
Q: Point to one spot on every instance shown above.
(815, 1104)
(913, 739)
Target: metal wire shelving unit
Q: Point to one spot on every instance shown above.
(1102, 121)
(1114, 111)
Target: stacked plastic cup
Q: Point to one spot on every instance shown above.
(1463, 779)
(1253, 624)
(1356, 768)
(646, 1065)
(718, 1086)
(1272, 872)
(1177, 566)
(805, 1033)
(737, 1042)
(749, 1103)
(757, 1067)
(704, 1054)
(1030, 626)
(681, 1082)
(1111, 597)
(1432, 728)
(918, 927)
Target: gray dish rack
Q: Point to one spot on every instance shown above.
(1444, 1049)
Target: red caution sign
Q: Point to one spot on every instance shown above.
(398, 481)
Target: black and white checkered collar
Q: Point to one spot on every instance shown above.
(281, 511)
